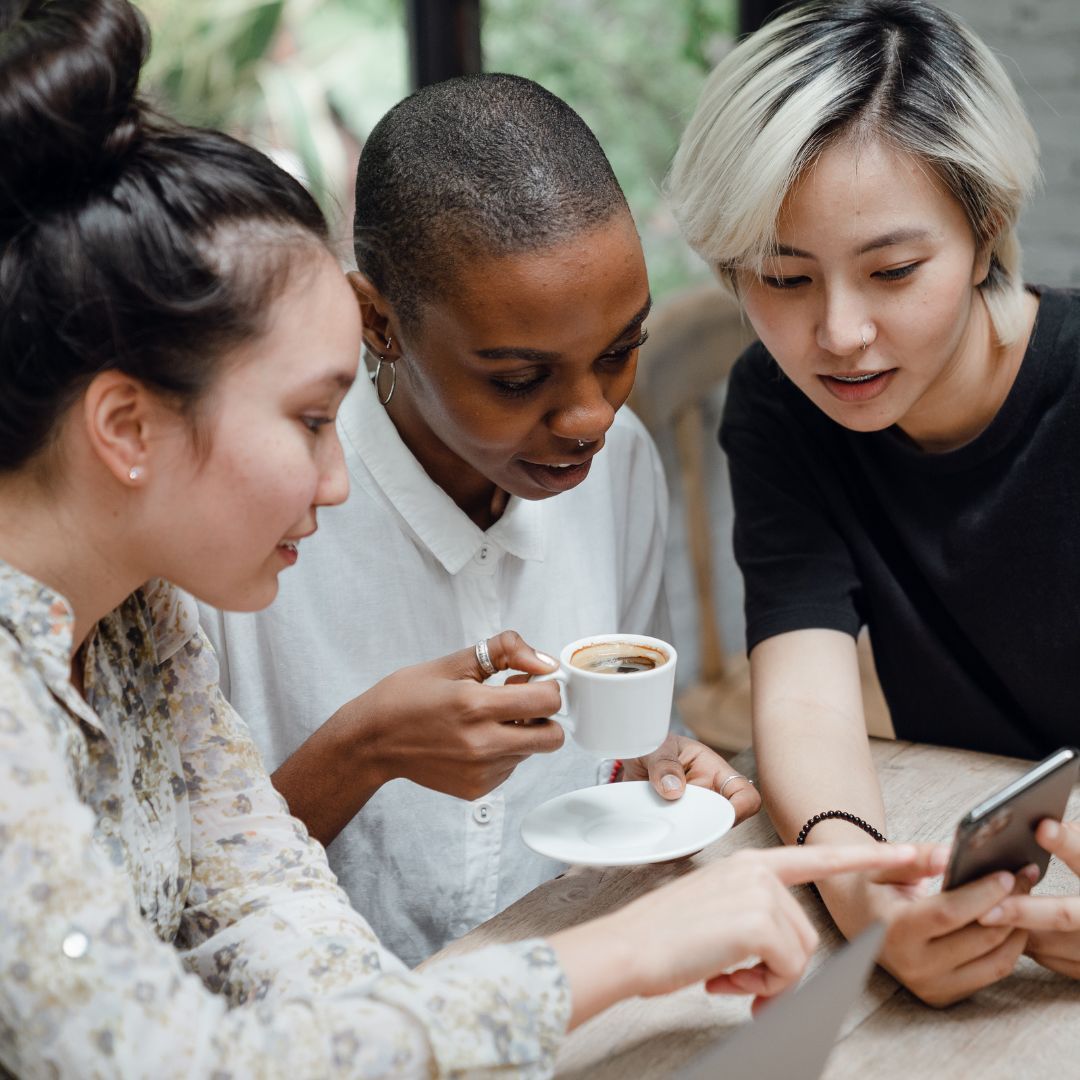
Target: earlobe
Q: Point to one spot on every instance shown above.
(116, 413)
(376, 312)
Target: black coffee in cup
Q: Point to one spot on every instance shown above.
(618, 658)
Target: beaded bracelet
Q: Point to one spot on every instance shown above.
(843, 815)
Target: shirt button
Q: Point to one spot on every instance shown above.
(483, 554)
(482, 813)
(75, 944)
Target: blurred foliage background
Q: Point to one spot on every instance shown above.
(305, 80)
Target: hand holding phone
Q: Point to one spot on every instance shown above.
(999, 834)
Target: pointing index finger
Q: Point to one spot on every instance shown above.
(798, 865)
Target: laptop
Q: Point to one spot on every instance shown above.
(792, 1038)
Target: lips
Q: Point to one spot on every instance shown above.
(557, 476)
(855, 386)
(288, 548)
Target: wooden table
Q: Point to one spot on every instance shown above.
(1025, 1026)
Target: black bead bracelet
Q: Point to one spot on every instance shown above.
(843, 815)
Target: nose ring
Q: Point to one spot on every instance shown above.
(865, 343)
(581, 443)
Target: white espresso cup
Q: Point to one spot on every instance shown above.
(623, 709)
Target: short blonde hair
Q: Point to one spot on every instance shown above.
(900, 71)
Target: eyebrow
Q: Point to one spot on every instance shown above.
(335, 379)
(900, 236)
(540, 356)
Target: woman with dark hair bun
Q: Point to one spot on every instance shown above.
(175, 340)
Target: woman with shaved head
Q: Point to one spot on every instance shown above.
(497, 482)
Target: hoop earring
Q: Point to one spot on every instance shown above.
(392, 365)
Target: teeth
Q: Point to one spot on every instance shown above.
(857, 378)
(288, 544)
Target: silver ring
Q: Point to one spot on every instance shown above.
(483, 658)
(735, 776)
(865, 343)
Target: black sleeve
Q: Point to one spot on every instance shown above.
(796, 566)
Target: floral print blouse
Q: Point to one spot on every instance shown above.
(162, 915)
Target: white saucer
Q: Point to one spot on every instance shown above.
(625, 824)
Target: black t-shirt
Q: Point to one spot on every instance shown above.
(965, 565)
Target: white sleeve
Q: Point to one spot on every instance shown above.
(645, 605)
(644, 600)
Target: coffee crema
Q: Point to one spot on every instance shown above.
(618, 658)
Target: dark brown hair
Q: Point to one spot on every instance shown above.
(126, 241)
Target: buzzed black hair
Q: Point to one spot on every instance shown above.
(474, 166)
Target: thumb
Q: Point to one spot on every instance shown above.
(509, 650)
(666, 775)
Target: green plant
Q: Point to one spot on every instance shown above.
(307, 79)
(295, 77)
(633, 70)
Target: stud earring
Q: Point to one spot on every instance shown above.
(135, 474)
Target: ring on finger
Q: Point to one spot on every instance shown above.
(734, 776)
(483, 657)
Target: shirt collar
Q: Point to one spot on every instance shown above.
(43, 623)
(433, 516)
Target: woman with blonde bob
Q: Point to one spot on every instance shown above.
(902, 440)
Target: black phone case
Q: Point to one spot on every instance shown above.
(999, 834)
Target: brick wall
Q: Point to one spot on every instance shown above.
(1039, 44)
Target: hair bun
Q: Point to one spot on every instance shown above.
(69, 114)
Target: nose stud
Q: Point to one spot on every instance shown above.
(581, 443)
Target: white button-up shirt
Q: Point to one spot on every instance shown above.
(399, 575)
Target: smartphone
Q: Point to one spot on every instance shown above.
(999, 834)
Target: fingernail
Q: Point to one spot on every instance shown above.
(1030, 873)
(904, 851)
(670, 783)
(994, 915)
(544, 658)
(1005, 880)
(1051, 829)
